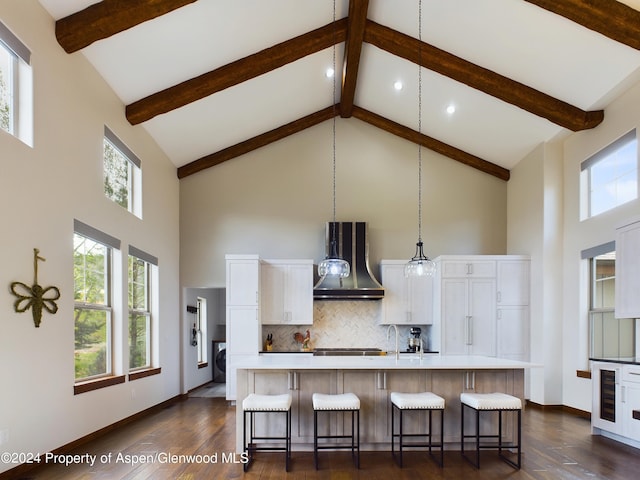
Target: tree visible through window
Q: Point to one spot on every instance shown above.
(117, 175)
(92, 273)
(139, 314)
(122, 174)
(6, 94)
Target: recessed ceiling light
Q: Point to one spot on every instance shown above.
(398, 85)
(451, 109)
(330, 72)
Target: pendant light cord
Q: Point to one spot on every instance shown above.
(334, 113)
(419, 120)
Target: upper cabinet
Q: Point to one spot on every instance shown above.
(628, 270)
(286, 292)
(243, 280)
(406, 300)
(469, 267)
(513, 282)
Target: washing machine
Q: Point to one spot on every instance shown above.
(219, 355)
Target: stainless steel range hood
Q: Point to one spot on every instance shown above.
(353, 246)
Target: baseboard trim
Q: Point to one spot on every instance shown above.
(20, 470)
(564, 408)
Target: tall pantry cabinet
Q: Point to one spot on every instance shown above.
(243, 314)
(483, 304)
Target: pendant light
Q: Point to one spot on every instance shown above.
(333, 264)
(420, 265)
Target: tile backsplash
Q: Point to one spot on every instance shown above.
(342, 323)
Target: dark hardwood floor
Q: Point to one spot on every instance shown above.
(556, 446)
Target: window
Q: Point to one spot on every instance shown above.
(93, 312)
(122, 182)
(201, 330)
(610, 337)
(15, 87)
(140, 325)
(610, 177)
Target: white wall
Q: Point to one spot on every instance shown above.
(620, 117)
(42, 190)
(275, 202)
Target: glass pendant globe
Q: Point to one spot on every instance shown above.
(334, 267)
(420, 265)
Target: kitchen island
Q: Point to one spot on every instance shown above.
(372, 379)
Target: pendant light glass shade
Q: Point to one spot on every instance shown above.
(333, 265)
(420, 265)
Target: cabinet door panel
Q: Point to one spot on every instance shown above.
(272, 283)
(631, 426)
(299, 294)
(482, 315)
(513, 282)
(513, 332)
(628, 271)
(454, 316)
(242, 282)
(395, 301)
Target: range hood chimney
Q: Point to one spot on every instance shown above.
(353, 246)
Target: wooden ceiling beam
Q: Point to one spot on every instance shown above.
(431, 143)
(236, 72)
(258, 141)
(487, 81)
(108, 17)
(610, 18)
(357, 20)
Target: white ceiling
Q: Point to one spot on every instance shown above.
(511, 37)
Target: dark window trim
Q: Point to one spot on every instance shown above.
(90, 385)
(147, 372)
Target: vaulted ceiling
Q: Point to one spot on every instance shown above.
(212, 79)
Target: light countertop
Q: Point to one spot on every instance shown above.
(429, 361)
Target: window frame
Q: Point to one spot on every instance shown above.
(152, 282)
(587, 177)
(106, 307)
(134, 172)
(111, 244)
(137, 312)
(19, 85)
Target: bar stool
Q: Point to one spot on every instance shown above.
(491, 402)
(425, 401)
(255, 403)
(345, 402)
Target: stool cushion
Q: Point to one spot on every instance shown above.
(417, 401)
(277, 403)
(342, 401)
(491, 401)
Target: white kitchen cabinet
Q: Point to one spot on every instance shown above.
(406, 301)
(243, 330)
(512, 282)
(470, 267)
(631, 401)
(286, 292)
(482, 304)
(243, 279)
(468, 316)
(628, 270)
(512, 330)
(606, 414)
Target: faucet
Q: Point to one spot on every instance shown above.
(396, 329)
(421, 348)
